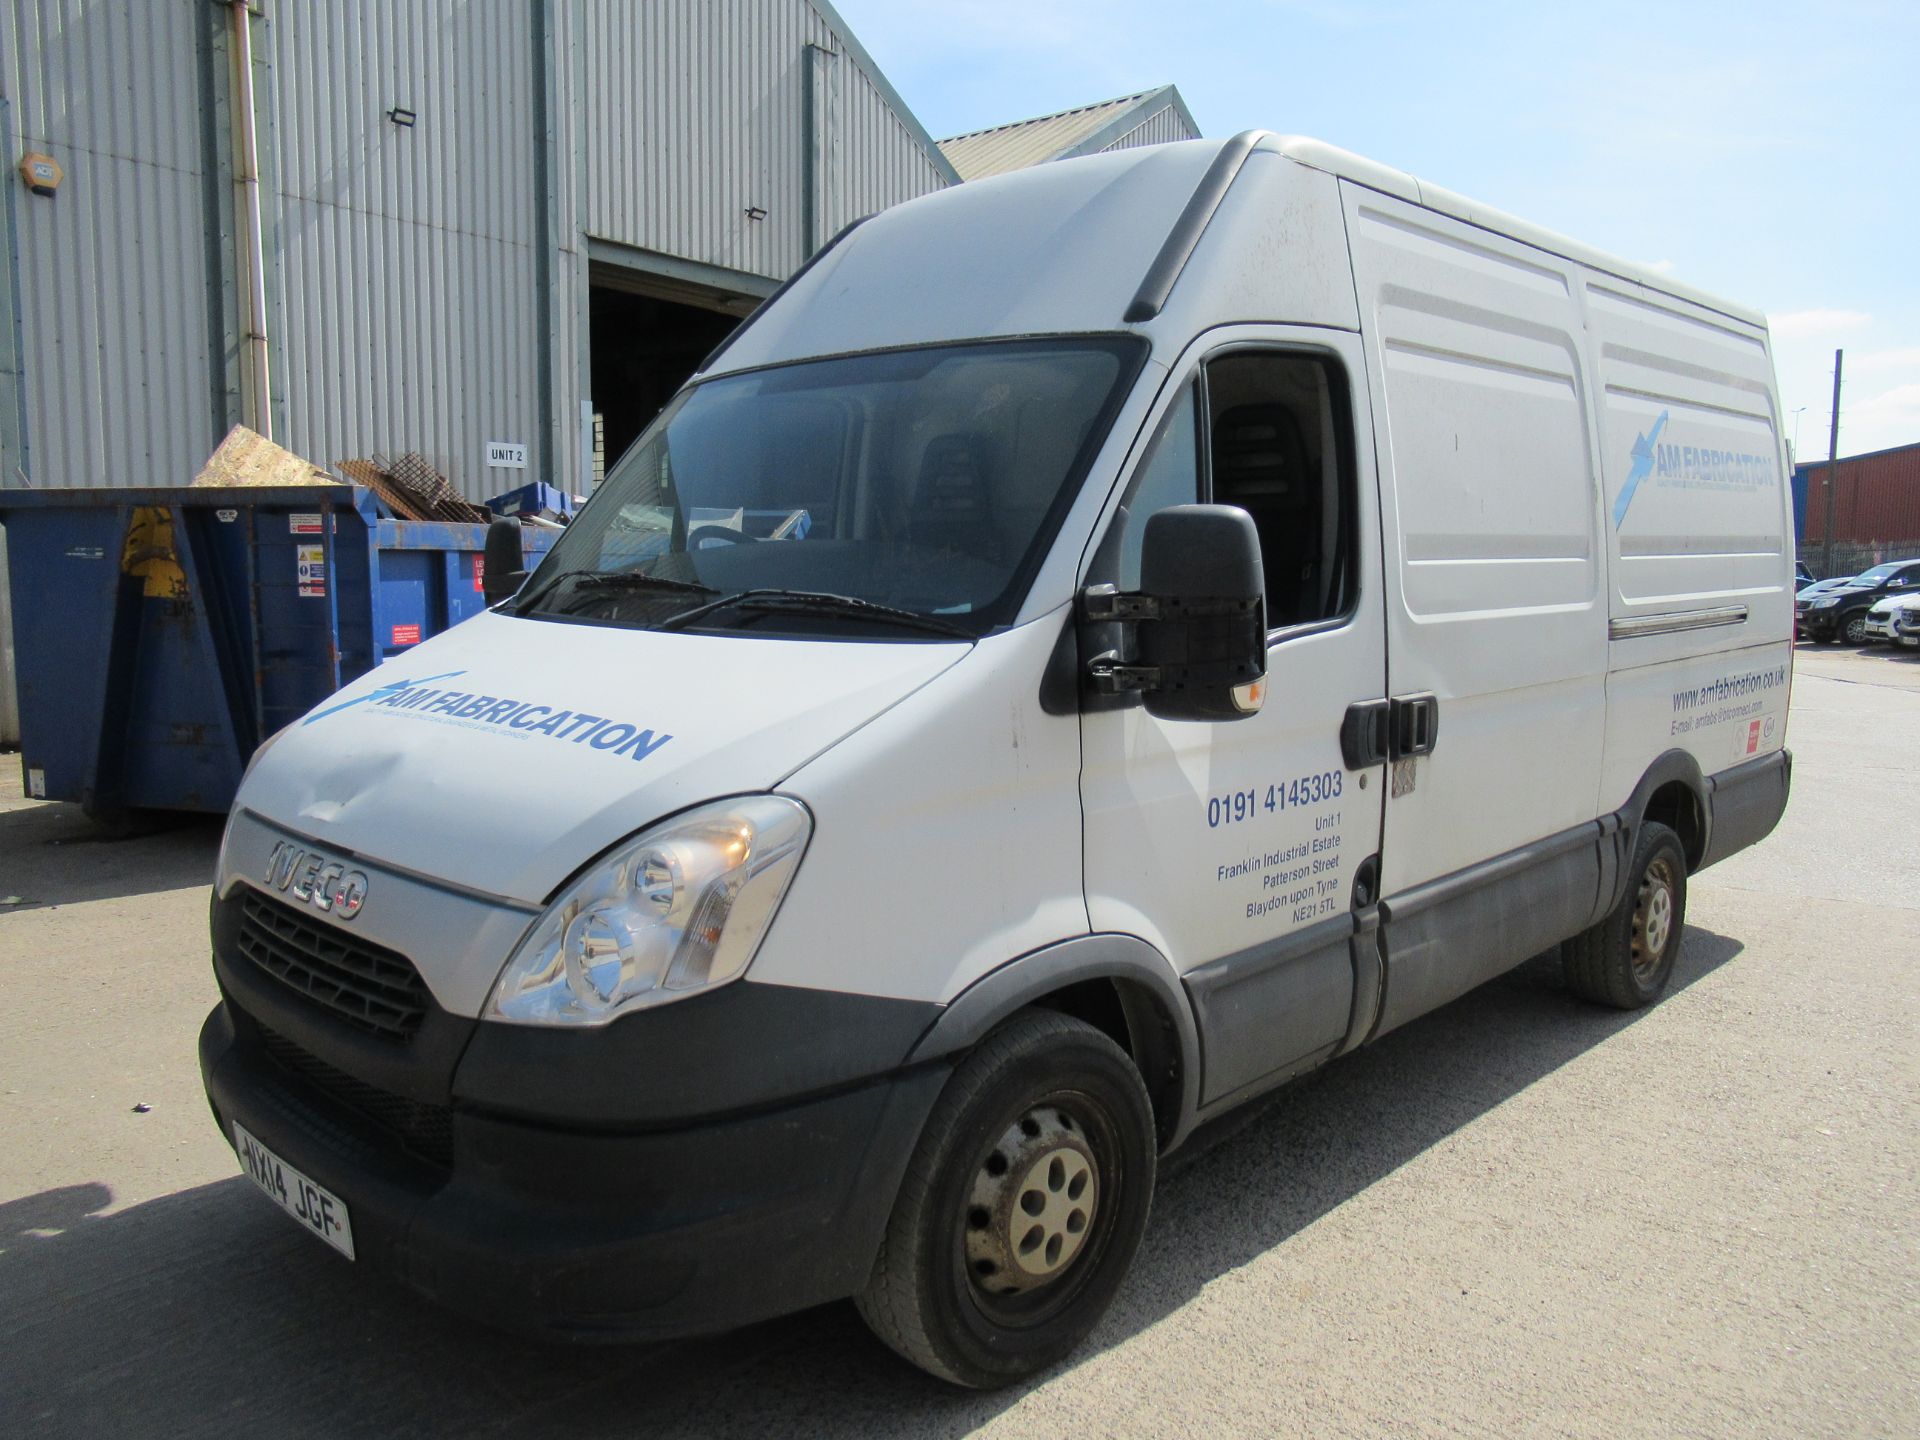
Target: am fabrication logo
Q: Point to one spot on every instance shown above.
(425, 700)
(1689, 467)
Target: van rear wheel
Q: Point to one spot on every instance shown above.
(1022, 1207)
(1627, 959)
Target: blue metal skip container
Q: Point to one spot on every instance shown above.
(161, 634)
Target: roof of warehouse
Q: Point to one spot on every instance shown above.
(1080, 131)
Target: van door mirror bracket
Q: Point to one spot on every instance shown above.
(1109, 675)
(1100, 604)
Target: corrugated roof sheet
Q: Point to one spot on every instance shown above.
(1055, 137)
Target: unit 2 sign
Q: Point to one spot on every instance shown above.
(503, 456)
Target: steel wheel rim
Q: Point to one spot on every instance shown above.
(994, 1223)
(1653, 916)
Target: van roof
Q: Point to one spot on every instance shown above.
(1064, 248)
(1361, 171)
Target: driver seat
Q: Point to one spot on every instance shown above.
(952, 503)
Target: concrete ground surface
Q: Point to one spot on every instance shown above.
(1519, 1216)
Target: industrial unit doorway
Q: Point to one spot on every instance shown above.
(648, 332)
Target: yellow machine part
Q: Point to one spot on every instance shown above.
(149, 554)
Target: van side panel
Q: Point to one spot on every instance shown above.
(1480, 384)
(1700, 602)
(946, 841)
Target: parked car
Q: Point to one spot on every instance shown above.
(1802, 576)
(1906, 626)
(1823, 587)
(1841, 613)
(1883, 617)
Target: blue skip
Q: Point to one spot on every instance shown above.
(161, 634)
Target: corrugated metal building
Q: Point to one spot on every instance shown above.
(1151, 117)
(1876, 508)
(498, 233)
(482, 222)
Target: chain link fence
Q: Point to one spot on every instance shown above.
(1850, 557)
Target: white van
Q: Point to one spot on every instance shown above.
(1099, 643)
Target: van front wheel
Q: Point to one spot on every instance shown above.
(1022, 1207)
(1627, 959)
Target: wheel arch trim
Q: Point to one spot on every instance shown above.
(1031, 978)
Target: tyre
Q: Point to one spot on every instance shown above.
(1854, 628)
(1021, 1208)
(1627, 959)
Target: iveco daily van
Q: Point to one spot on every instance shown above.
(1100, 642)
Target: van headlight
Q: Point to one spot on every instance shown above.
(678, 909)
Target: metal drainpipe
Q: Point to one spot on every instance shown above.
(252, 239)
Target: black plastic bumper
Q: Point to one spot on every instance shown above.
(598, 1234)
(1818, 624)
(1745, 803)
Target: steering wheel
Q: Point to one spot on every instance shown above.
(717, 532)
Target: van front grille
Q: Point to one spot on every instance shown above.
(364, 984)
(425, 1129)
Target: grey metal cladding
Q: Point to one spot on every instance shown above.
(114, 299)
(1164, 126)
(693, 115)
(408, 306)
(408, 296)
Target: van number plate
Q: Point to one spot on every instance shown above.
(318, 1209)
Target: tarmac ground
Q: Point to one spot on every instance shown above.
(1519, 1215)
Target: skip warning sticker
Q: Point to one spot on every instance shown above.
(310, 562)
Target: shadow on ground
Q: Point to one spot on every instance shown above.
(54, 855)
(207, 1313)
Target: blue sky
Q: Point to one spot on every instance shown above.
(1766, 152)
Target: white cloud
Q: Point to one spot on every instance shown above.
(1880, 389)
(1883, 419)
(1810, 324)
(1874, 362)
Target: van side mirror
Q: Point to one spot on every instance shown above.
(503, 565)
(1198, 625)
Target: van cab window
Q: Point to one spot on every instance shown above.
(1277, 443)
(870, 496)
(1169, 475)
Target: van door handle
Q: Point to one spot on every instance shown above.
(1415, 726)
(1364, 734)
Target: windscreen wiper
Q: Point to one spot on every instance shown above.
(623, 580)
(815, 602)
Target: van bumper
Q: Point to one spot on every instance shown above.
(594, 1235)
(1745, 803)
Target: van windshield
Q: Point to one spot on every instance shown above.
(898, 495)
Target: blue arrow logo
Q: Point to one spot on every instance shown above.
(392, 687)
(1644, 450)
